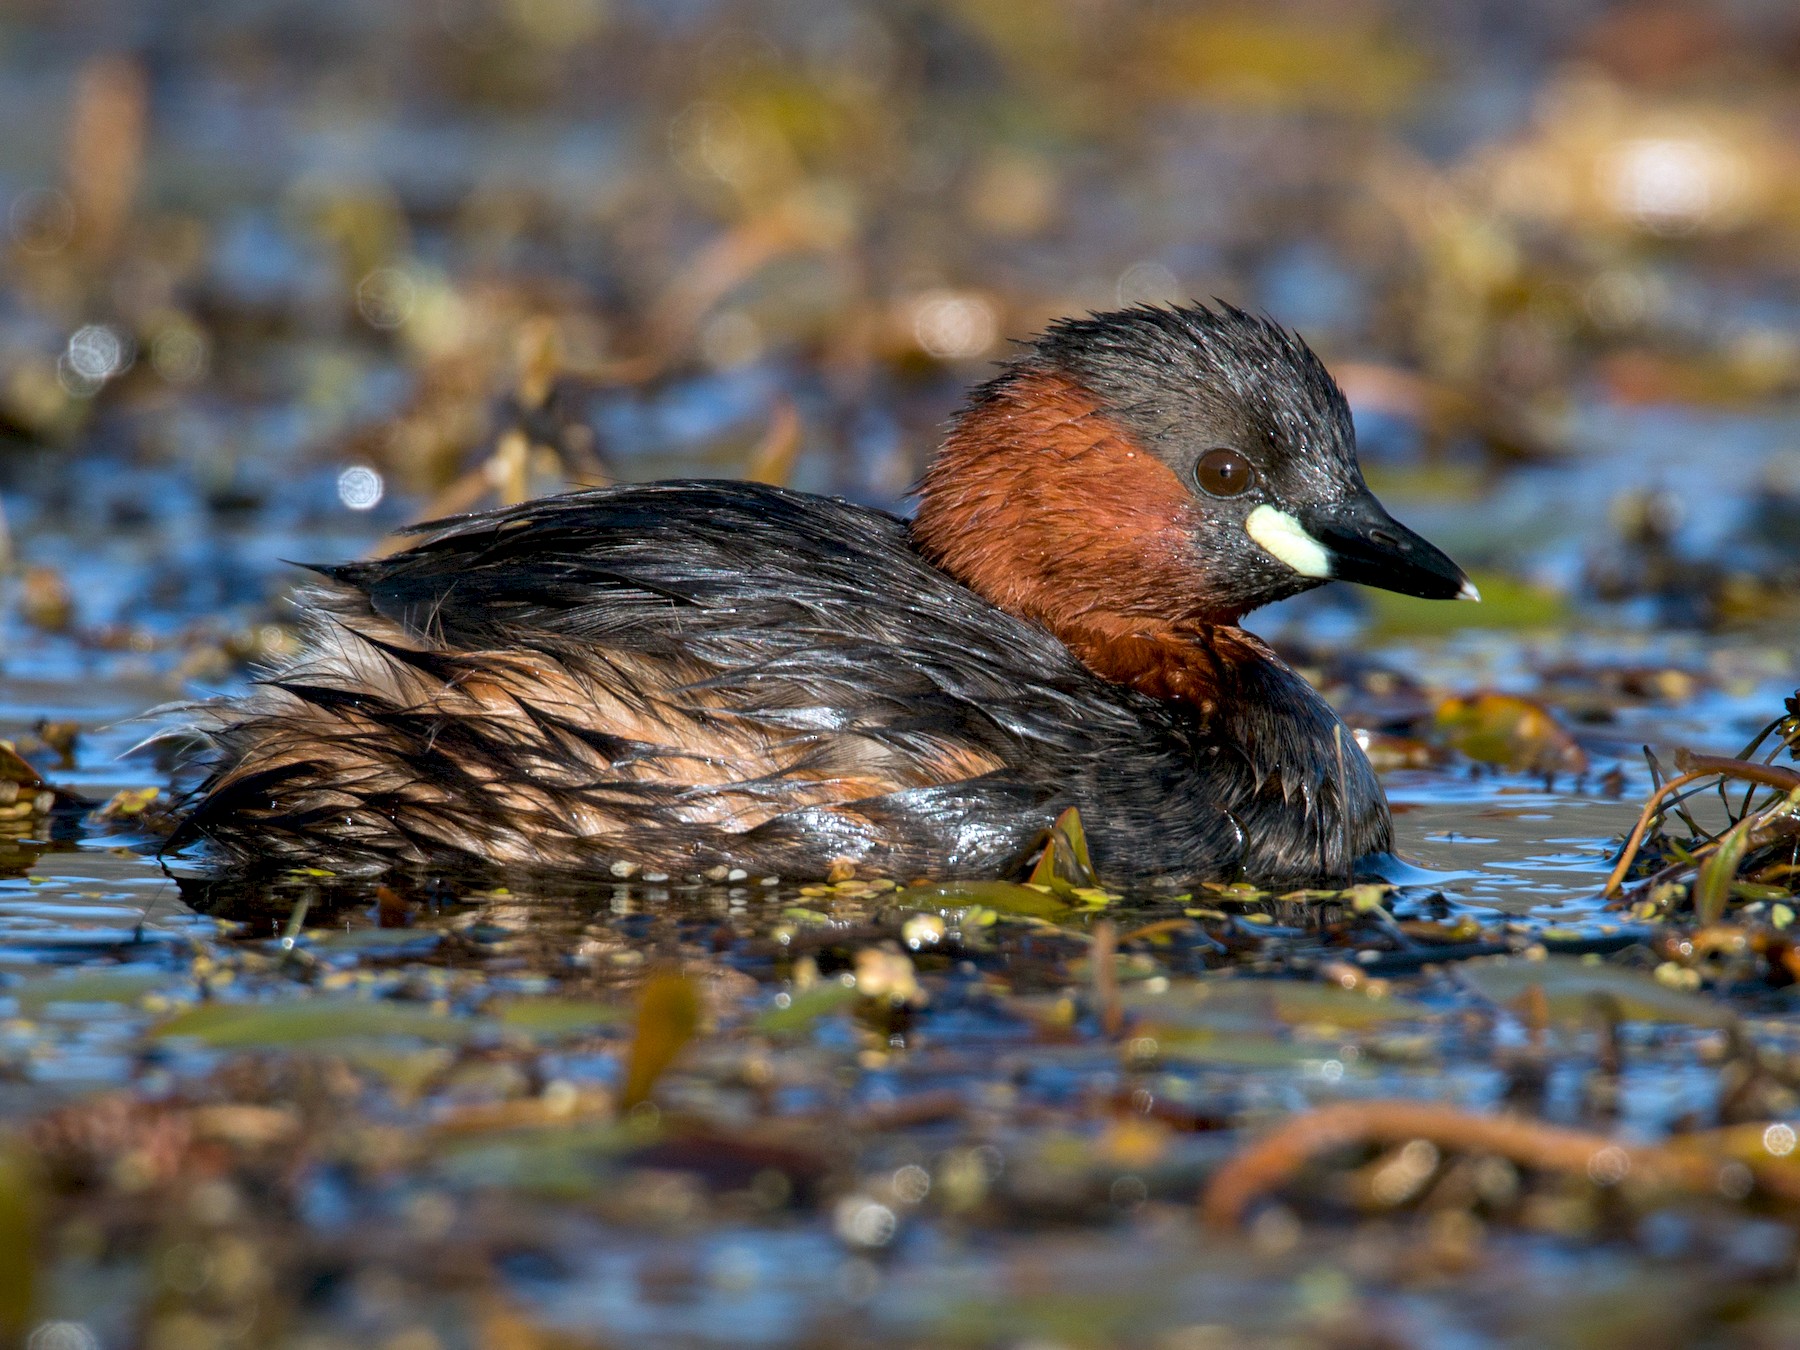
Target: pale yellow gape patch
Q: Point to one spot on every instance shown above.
(1287, 539)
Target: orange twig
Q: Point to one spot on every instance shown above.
(1274, 1159)
(1696, 767)
(1156, 929)
(1769, 775)
(1648, 814)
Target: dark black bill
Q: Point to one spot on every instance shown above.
(1367, 545)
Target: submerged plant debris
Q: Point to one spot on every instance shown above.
(280, 279)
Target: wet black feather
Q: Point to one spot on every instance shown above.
(811, 619)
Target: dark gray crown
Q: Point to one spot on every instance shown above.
(1160, 368)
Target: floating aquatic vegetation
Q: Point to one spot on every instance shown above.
(1750, 858)
(1509, 731)
(1693, 1165)
(311, 1022)
(1569, 990)
(668, 1015)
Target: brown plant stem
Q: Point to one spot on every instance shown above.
(1635, 841)
(1106, 977)
(1745, 770)
(1691, 1164)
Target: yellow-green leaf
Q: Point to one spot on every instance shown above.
(1712, 887)
(1573, 990)
(20, 1214)
(806, 1008)
(96, 986)
(1007, 897)
(1065, 865)
(1509, 731)
(312, 1021)
(554, 1017)
(668, 1016)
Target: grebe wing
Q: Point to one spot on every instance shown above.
(673, 671)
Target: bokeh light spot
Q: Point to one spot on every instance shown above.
(954, 325)
(97, 353)
(863, 1222)
(359, 487)
(385, 297)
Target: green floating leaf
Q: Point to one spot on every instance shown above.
(1233, 1003)
(1040, 1317)
(668, 1016)
(1509, 731)
(1005, 897)
(806, 1008)
(313, 1021)
(1242, 1046)
(1712, 887)
(1574, 989)
(553, 1017)
(1756, 890)
(801, 914)
(96, 986)
(21, 1211)
(1366, 898)
(1065, 866)
(1246, 1022)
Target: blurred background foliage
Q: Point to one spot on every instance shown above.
(282, 276)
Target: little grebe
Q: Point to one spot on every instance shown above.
(694, 675)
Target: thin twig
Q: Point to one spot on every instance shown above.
(1636, 839)
(1698, 767)
(1677, 804)
(1744, 769)
(1691, 1164)
(1767, 759)
(1760, 737)
(1764, 775)
(1161, 926)
(1106, 977)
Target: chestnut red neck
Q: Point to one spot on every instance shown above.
(1048, 508)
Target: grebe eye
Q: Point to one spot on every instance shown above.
(1224, 473)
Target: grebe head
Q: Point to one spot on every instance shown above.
(1160, 466)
